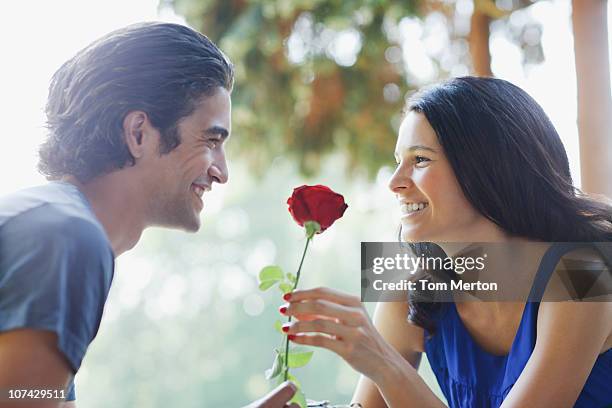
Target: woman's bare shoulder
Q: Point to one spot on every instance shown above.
(391, 320)
(583, 320)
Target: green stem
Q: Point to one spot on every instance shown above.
(297, 279)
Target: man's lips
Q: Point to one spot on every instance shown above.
(199, 189)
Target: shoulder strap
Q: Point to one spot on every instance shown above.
(553, 255)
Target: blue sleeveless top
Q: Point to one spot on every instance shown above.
(471, 377)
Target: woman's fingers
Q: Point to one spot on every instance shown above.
(307, 317)
(318, 340)
(351, 316)
(328, 327)
(325, 294)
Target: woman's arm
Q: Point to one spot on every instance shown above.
(342, 325)
(570, 337)
(407, 339)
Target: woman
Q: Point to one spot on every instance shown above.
(487, 165)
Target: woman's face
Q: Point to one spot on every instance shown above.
(433, 206)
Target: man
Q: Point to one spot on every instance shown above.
(138, 122)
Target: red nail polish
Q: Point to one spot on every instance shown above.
(287, 296)
(285, 328)
(282, 309)
(291, 336)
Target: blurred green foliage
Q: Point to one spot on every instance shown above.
(310, 76)
(316, 76)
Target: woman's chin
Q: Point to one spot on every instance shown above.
(413, 235)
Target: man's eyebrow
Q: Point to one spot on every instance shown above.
(217, 130)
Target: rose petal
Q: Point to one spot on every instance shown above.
(316, 203)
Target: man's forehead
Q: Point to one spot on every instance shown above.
(213, 110)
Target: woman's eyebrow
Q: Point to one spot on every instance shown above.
(421, 147)
(413, 148)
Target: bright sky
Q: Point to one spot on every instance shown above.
(37, 37)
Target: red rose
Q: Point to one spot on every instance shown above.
(316, 203)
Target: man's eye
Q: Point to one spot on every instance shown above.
(214, 143)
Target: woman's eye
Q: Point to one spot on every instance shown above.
(420, 159)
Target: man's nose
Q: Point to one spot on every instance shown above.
(218, 170)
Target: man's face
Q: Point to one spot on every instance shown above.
(180, 178)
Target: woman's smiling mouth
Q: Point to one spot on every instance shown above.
(410, 209)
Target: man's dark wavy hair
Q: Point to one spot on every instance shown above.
(511, 166)
(162, 69)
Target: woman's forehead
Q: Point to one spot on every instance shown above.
(416, 130)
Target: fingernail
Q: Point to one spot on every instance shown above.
(287, 296)
(285, 328)
(282, 309)
(291, 336)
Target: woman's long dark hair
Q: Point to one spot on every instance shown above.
(511, 166)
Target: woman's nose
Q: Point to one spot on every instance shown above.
(400, 180)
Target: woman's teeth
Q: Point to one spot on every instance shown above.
(199, 191)
(413, 207)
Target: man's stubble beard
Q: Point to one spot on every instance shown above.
(175, 211)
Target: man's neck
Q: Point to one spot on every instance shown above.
(118, 205)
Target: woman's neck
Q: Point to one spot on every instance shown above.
(484, 231)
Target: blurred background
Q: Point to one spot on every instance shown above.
(320, 85)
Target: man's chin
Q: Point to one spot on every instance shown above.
(193, 228)
(191, 224)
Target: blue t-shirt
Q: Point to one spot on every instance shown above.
(56, 267)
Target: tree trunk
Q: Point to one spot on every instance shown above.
(589, 18)
(479, 43)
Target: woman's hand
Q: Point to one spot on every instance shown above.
(338, 322)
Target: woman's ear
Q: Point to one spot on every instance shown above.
(140, 136)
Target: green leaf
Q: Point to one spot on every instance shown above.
(265, 285)
(269, 276)
(285, 287)
(299, 357)
(294, 380)
(271, 272)
(277, 325)
(291, 277)
(291, 378)
(312, 227)
(277, 367)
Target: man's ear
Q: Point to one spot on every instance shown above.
(140, 136)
